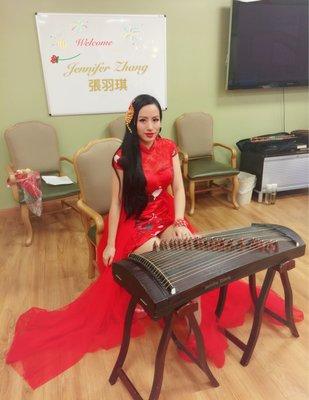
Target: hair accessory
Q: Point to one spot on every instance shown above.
(180, 222)
(129, 116)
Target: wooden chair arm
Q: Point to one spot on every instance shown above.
(95, 216)
(231, 149)
(63, 158)
(11, 173)
(184, 158)
(12, 182)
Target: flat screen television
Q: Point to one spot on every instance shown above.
(268, 44)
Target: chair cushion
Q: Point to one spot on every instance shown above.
(52, 192)
(92, 234)
(206, 168)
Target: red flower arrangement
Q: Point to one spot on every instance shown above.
(29, 183)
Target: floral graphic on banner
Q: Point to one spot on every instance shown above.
(133, 33)
(80, 25)
(55, 59)
(58, 41)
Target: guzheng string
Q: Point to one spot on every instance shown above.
(177, 271)
(200, 264)
(224, 254)
(162, 255)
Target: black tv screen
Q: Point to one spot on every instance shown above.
(268, 44)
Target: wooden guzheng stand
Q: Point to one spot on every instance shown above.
(166, 280)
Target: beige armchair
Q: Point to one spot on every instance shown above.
(93, 167)
(117, 128)
(200, 169)
(34, 145)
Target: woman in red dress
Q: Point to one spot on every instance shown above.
(142, 212)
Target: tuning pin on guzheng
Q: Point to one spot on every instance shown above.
(261, 244)
(156, 246)
(163, 244)
(227, 244)
(190, 243)
(185, 243)
(257, 244)
(232, 244)
(175, 244)
(196, 242)
(251, 243)
(214, 244)
(220, 244)
(269, 246)
(203, 243)
(275, 246)
(241, 243)
(238, 244)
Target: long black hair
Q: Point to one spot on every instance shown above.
(134, 194)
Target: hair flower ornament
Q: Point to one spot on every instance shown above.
(129, 116)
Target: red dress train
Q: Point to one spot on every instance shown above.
(47, 343)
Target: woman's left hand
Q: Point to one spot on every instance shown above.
(182, 232)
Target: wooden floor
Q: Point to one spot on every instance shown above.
(53, 271)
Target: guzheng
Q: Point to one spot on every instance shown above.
(178, 271)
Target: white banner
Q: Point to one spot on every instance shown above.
(97, 63)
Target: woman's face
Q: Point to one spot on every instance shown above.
(148, 124)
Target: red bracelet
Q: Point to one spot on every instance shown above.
(180, 222)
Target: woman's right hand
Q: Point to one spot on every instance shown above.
(108, 254)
